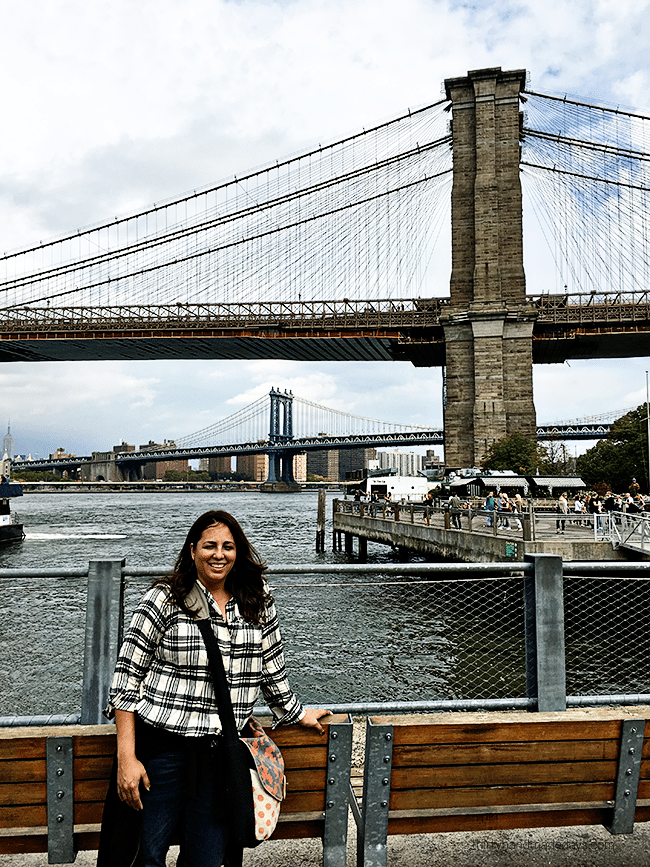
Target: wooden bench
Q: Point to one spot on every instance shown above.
(493, 771)
(53, 782)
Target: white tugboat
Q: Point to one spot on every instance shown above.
(11, 530)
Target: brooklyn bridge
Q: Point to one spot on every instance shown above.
(334, 254)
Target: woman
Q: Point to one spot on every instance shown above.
(162, 691)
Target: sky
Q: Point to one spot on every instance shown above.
(110, 107)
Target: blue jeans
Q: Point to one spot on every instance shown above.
(185, 800)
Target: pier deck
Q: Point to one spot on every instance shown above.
(406, 527)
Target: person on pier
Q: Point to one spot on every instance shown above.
(169, 746)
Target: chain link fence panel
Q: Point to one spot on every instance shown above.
(607, 635)
(392, 640)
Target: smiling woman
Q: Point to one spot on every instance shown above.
(171, 756)
(214, 556)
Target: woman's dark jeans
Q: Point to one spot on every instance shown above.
(186, 802)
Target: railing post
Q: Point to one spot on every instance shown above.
(104, 623)
(469, 519)
(533, 530)
(545, 651)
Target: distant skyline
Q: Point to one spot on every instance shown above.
(108, 109)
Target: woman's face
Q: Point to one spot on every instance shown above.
(214, 556)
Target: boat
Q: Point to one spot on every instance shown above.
(11, 530)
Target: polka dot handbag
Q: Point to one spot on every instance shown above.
(267, 778)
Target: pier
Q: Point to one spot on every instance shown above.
(416, 529)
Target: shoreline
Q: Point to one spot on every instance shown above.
(157, 487)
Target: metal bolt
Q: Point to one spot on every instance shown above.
(627, 793)
(59, 772)
(331, 781)
(386, 760)
(384, 803)
(628, 772)
(60, 794)
(59, 818)
(633, 731)
(332, 758)
(59, 748)
(389, 737)
(334, 735)
(385, 781)
(631, 751)
(330, 804)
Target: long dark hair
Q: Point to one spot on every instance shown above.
(244, 581)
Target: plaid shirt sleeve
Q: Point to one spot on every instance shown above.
(285, 706)
(147, 628)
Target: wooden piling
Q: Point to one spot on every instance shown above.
(320, 523)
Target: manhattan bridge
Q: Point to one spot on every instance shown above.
(282, 425)
(339, 253)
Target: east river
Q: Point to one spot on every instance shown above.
(354, 638)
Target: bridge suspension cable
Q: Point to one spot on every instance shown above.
(586, 172)
(311, 419)
(251, 424)
(356, 218)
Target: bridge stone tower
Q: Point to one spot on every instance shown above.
(489, 327)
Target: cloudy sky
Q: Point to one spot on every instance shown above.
(108, 107)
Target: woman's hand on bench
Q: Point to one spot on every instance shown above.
(312, 719)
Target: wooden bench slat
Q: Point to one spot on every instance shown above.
(510, 732)
(22, 748)
(92, 767)
(498, 822)
(410, 799)
(298, 830)
(305, 757)
(499, 809)
(306, 780)
(489, 719)
(23, 793)
(25, 771)
(296, 802)
(496, 775)
(23, 816)
(530, 751)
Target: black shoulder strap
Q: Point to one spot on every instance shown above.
(221, 691)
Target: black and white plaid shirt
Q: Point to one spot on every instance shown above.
(162, 672)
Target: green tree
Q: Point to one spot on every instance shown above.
(513, 452)
(622, 456)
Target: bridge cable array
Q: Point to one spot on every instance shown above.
(355, 219)
(586, 173)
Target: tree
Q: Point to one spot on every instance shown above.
(622, 456)
(513, 452)
(555, 459)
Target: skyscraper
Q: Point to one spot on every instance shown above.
(8, 444)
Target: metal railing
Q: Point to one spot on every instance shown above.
(537, 634)
(619, 528)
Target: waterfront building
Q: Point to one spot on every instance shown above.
(324, 463)
(218, 466)
(406, 463)
(337, 465)
(157, 469)
(255, 468)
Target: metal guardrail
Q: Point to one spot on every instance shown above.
(566, 632)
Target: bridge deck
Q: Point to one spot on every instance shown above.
(581, 325)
